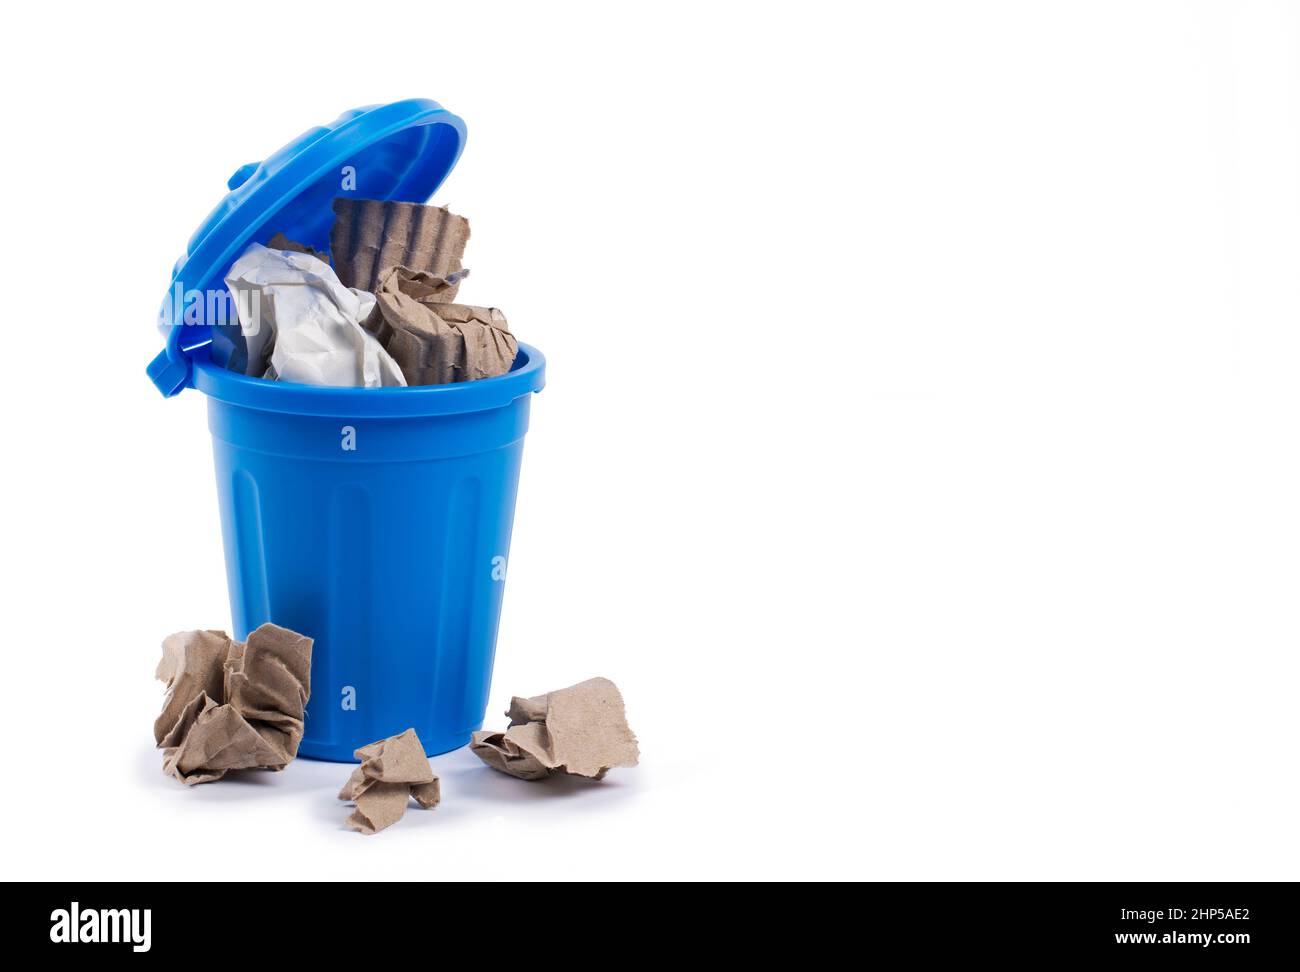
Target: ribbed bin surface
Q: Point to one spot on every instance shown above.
(384, 538)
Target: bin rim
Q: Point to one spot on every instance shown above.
(526, 376)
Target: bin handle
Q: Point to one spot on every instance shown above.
(169, 375)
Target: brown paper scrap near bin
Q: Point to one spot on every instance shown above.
(370, 237)
(433, 341)
(581, 730)
(392, 771)
(232, 705)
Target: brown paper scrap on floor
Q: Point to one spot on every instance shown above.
(232, 705)
(392, 771)
(370, 237)
(581, 730)
(434, 341)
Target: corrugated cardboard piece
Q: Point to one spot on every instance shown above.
(370, 237)
(232, 705)
(433, 341)
(581, 730)
(392, 771)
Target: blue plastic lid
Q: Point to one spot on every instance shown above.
(400, 151)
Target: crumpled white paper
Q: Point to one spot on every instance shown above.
(293, 306)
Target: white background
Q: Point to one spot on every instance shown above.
(918, 454)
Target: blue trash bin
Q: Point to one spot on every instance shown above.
(376, 521)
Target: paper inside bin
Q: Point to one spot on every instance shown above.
(436, 342)
(281, 242)
(300, 324)
(370, 237)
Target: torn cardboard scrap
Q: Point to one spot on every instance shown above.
(581, 730)
(301, 324)
(433, 341)
(370, 237)
(281, 242)
(392, 771)
(232, 705)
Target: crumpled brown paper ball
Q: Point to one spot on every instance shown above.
(433, 341)
(581, 730)
(392, 771)
(232, 705)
